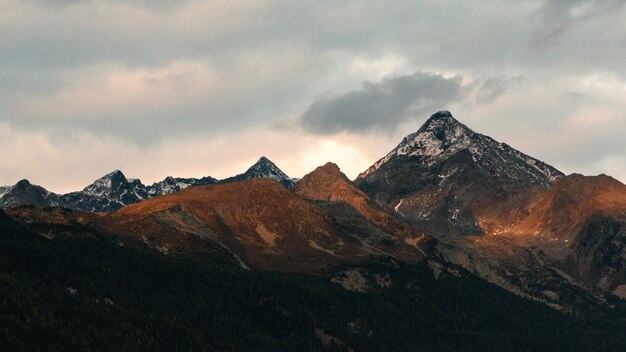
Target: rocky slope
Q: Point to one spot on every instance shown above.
(508, 217)
(263, 168)
(260, 221)
(64, 286)
(580, 227)
(108, 193)
(355, 210)
(174, 184)
(445, 194)
(24, 192)
(448, 177)
(113, 191)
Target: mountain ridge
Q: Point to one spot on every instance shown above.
(510, 218)
(263, 168)
(445, 193)
(447, 171)
(113, 190)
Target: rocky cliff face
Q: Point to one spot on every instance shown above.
(265, 224)
(113, 191)
(580, 226)
(377, 226)
(24, 192)
(506, 216)
(448, 178)
(263, 168)
(445, 194)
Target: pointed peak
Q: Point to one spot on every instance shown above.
(263, 160)
(330, 164)
(329, 167)
(327, 182)
(443, 114)
(326, 171)
(114, 174)
(441, 120)
(440, 134)
(107, 182)
(264, 164)
(23, 183)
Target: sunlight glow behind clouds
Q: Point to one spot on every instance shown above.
(195, 88)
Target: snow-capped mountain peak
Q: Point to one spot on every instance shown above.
(23, 193)
(106, 184)
(263, 168)
(167, 186)
(442, 136)
(440, 133)
(108, 193)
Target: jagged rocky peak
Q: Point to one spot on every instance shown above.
(25, 193)
(440, 120)
(440, 134)
(327, 173)
(442, 137)
(326, 182)
(443, 126)
(168, 181)
(106, 183)
(22, 184)
(263, 168)
(329, 168)
(168, 185)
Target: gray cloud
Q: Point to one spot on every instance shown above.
(559, 16)
(381, 105)
(486, 90)
(144, 73)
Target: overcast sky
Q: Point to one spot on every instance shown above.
(196, 88)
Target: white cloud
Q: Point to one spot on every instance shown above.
(91, 86)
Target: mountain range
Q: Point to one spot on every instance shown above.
(113, 191)
(446, 198)
(506, 216)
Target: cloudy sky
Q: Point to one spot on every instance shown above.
(196, 88)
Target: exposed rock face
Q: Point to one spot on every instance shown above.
(108, 193)
(265, 224)
(113, 191)
(560, 213)
(598, 254)
(259, 222)
(448, 178)
(580, 226)
(175, 184)
(328, 184)
(527, 227)
(263, 168)
(353, 209)
(24, 192)
(444, 193)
